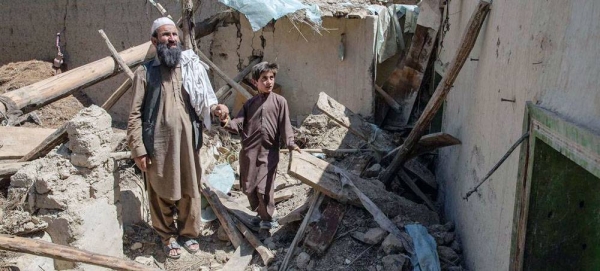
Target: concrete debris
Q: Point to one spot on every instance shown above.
(448, 255)
(222, 235)
(145, 260)
(18, 222)
(76, 197)
(374, 236)
(372, 171)
(392, 245)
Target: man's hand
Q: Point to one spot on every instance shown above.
(296, 148)
(142, 162)
(221, 111)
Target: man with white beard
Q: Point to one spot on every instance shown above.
(172, 98)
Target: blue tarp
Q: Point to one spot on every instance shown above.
(425, 257)
(261, 12)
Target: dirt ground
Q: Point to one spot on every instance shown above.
(19, 74)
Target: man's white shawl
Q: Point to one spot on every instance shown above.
(197, 85)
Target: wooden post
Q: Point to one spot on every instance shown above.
(238, 78)
(36, 95)
(229, 81)
(116, 55)
(467, 43)
(187, 8)
(265, 253)
(66, 253)
(388, 99)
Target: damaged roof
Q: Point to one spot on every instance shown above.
(352, 8)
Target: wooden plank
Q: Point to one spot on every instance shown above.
(426, 144)
(422, 173)
(295, 215)
(116, 55)
(16, 142)
(282, 195)
(36, 95)
(411, 184)
(321, 176)
(66, 253)
(438, 97)
(238, 78)
(314, 204)
(265, 253)
(241, 257)
(404, 82)
(322, 233)
(240, 211)
(222, 214)
(376, 138)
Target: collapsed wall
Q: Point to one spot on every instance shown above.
(74, 191)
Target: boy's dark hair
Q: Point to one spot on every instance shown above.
(265, 66)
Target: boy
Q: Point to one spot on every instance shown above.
(261, 123)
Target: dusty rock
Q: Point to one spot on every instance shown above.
(448, 254)
(391, 245)
(456, 246)
(18, 223)
(302, 260)
(221, 257)
(358, 236)
(375, 236)
(136, 246)
(222, 235)
(145, 260)
(449, 238)
(372, 171)
(393, 262)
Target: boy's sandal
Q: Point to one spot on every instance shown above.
(188, 246)
(172, 246)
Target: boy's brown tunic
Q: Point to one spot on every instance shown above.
(261, 123)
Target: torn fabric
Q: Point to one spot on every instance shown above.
(261, 12)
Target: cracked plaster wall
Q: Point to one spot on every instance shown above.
(30, 26)
(306, 67)
(540, 51)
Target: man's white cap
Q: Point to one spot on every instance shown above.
(160, 22)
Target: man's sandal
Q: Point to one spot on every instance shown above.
(173, 245)
(188, 246)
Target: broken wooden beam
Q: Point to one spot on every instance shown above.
(238, 78)
(421, 172)
(242, 213)
(315, 202)
(426, 144)
(411, 184)
(265, 253)
(66, 253)
(222, 74)
(438, 97)
(116, 55)
(9, 169)
(405, 81)
(377, 139)
(388, 99)
(321, 176)
(321, 235)
(221, 211)
(36, 95)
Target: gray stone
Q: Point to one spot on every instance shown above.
(373, 171)
(448, 254)
(222, 235)
(392, 245)
(456, 246)
(311, 265)
(358, 236)
(374, 236)
(136, 246)
(393, 262)
(449, 238)
(302, 260)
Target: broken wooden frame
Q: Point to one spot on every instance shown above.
(578, 144)
(467, 42)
